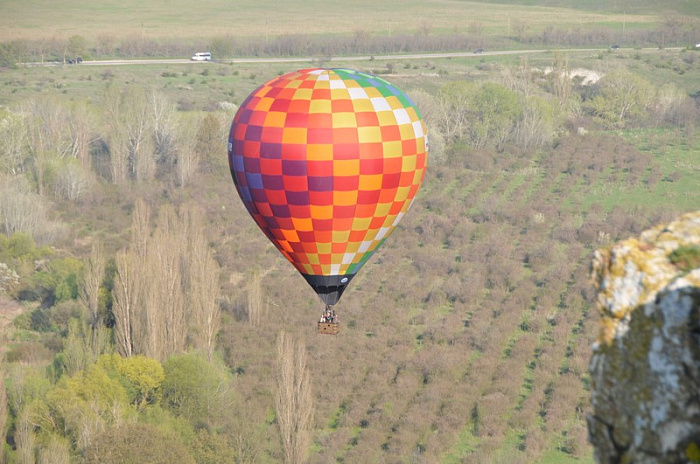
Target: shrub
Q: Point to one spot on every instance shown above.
(133, 443)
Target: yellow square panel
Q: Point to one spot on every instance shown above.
(362, 105)
(417, 176)
(323, 248)
(382, 209)
(408, 163)
(369, 134)
(307, 267)
(320, 106)
(340, 94)
(386, 118)
(340, 236)
(407, 132)
(373, 92)
(394, 102)
(303, 94)
(392, 149)
(344, 120)
(402, 193)
(361, 223)
(369, 236)
(352, 247)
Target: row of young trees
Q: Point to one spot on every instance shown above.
(166, 288)
(52, 147)
(57, 142)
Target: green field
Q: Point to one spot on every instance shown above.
(32, 19)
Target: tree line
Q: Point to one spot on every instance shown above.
(670, 30)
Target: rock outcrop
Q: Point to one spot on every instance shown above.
(645, 368)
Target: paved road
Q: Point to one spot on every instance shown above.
(308, 59)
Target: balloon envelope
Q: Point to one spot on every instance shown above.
(327, 161)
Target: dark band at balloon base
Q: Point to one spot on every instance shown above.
(329, 288)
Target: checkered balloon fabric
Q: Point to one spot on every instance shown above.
(327, 161)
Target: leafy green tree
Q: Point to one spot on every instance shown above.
(57, 280)
(196, 389)
(210, 141)
(11, 53)
(221, 47)
(494, 111)
(212, 448)
(76, 46)
(143, 377)
(623, 97)
(25, 384)
(84, 405)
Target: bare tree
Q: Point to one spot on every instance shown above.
(71, 181)
(201, 284)
(25, 439)
(3, 407)
(187, 154)
(126, 295)
(13, 138)
(82, 133)
(48, 135)
(89, 295)
(56, 451)
(140, 228)
(130, 128)
(164, 302)
(166, 291)
(294, 401)
(164, 126)
(561, 78)
(255, 304)
(21, 210)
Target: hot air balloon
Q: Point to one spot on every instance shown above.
(327, 162)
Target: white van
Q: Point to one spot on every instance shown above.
(204, 56)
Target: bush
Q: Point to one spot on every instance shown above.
(136, 443)
(195, 388)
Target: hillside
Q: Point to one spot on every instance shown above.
(599, 6)
(467, 336)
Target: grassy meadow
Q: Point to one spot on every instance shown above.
(63, 18)
(467, 336)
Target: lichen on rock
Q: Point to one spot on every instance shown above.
(645, 368)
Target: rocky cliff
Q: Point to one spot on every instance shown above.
(645, 368)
